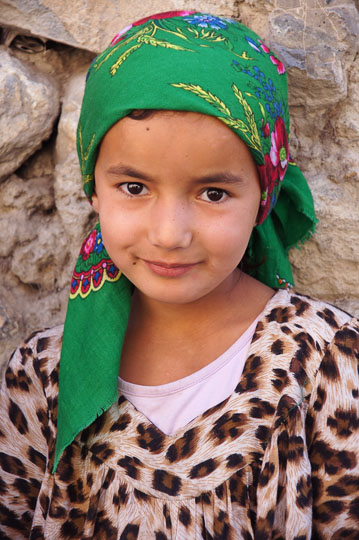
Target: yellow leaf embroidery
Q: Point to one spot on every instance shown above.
(262, 109)
(243, 56)
(208, 96)
(249, 117)
(85, 152)
(249, 131)
(86, 178)
(103, 58)
(179, 32)
(121, 59)
(149, 40)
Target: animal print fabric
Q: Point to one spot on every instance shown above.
(278, 459)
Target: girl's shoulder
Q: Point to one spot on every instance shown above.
(315, 333)
(311, 314)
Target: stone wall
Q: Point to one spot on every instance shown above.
(46, 47)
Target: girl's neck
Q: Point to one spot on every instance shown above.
(240, 298)
(167, 342)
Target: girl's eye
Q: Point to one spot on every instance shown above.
(214, 195)
(133, 188)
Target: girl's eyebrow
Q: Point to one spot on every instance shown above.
(125, 170)
(216, 178)
(220, 177)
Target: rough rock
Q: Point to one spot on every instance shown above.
(27, 196)
(70, 112)
(8, 326)
(319, 43)
(75, 212)
(316, 43)
(41, 260)
(91, 25)
(29, 230)
(29, 105)
(19, 200)
(335, 243)
(9, 331)
(32, 232)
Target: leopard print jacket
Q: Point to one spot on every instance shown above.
(278, 459)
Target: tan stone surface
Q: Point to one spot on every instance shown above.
(324, 98)
(43, 214)
(29, 105)
(36, 254)
(92, 24)
(329, 263)
(74, 210)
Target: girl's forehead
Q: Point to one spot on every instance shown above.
(171, 127)
(174, 148)
(174, 136)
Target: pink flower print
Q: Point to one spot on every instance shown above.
(265, 129)
(252, 43)
(120, 35)
(88, 245)
(279, 152)
(278, 63)
(268, 175)
(164, 15)
(264, 47)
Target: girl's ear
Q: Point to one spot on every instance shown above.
(94, 201)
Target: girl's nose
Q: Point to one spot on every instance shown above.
(170, 225)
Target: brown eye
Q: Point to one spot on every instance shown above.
(214, 194)
(133, 188)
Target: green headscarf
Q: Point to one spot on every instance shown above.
(184, 61)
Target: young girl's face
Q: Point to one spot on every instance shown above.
(177, 196)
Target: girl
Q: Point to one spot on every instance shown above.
(233, 413)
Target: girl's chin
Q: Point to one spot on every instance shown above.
(179, 293)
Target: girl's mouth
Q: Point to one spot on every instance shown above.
(169, 270)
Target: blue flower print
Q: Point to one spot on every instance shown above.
(236, 65)
(278, 108)
(253, 44)
(209, 21)
(275, 109)
(258, 74)
(98, 243)
(264, 89)
(270, 86)
(270, 90)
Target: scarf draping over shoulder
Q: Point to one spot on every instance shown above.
(185, 61)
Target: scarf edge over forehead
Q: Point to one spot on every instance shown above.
(176, 55)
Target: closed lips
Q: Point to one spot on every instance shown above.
(167, 265)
